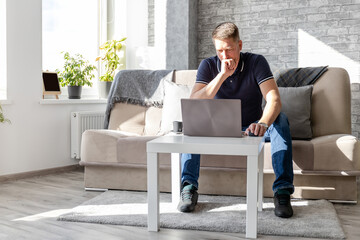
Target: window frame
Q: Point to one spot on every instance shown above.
(90, 92)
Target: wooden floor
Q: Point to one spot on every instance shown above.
(29, 207)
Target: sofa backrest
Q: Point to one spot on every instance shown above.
(330, 113)
(331, 103)
(144, 120)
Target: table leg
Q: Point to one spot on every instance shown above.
(261, 181)
(175, 178)
(252, 196)
(153, 191)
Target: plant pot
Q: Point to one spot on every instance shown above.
(74, 92)
(104, 89)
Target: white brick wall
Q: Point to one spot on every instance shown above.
(151, 20)
(289, 34)
(292, 34)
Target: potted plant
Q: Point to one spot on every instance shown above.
(77, 72)
(112, 63)
(2, 117)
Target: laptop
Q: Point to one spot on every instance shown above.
(211, 117)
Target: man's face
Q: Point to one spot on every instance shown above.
(228, 49)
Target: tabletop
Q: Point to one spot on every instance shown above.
(178, 143)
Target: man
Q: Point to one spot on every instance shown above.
(246, 76)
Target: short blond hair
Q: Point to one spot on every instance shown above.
(226, 30)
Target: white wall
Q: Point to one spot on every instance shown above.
(39, 136)
(2, 50)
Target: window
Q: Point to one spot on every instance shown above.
(70, 26)
(3, 49)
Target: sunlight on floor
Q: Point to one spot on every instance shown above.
(49, 214)
(140, 209)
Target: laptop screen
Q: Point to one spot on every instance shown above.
(212, 117)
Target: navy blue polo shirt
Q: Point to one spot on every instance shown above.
(252, 70)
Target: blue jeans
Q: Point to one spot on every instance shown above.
(281, 153)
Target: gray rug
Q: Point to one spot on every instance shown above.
(314, 219)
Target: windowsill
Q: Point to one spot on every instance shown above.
(73, 101)
(5, 102)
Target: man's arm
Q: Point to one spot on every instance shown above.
(272, 108)
(200, 90)
(207, 91)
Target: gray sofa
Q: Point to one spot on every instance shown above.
(325, 166)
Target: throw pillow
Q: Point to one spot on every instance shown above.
(172, 107)
(296, 104)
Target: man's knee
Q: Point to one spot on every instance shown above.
(281, 126)
(282, 119)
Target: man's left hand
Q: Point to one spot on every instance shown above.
(257, 129)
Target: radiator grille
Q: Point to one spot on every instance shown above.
(80, 122)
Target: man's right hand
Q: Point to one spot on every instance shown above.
(228, 67)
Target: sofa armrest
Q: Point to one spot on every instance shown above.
(339, 152)
(331, 103)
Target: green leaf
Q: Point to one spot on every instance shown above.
(110, 58)
(77, 71)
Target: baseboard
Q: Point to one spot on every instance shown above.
(17, 176)
(96, 189)
(345, 201)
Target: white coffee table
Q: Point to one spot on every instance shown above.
(252, 147)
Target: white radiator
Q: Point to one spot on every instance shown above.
(81, 121)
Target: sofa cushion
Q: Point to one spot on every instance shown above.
(185, 77)
(100, 145)
(132, 151)
(227, 161)
(172, 107)
(296, 104)
(337, 152)
(128, 118)
(303, 155)
(152, 121)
